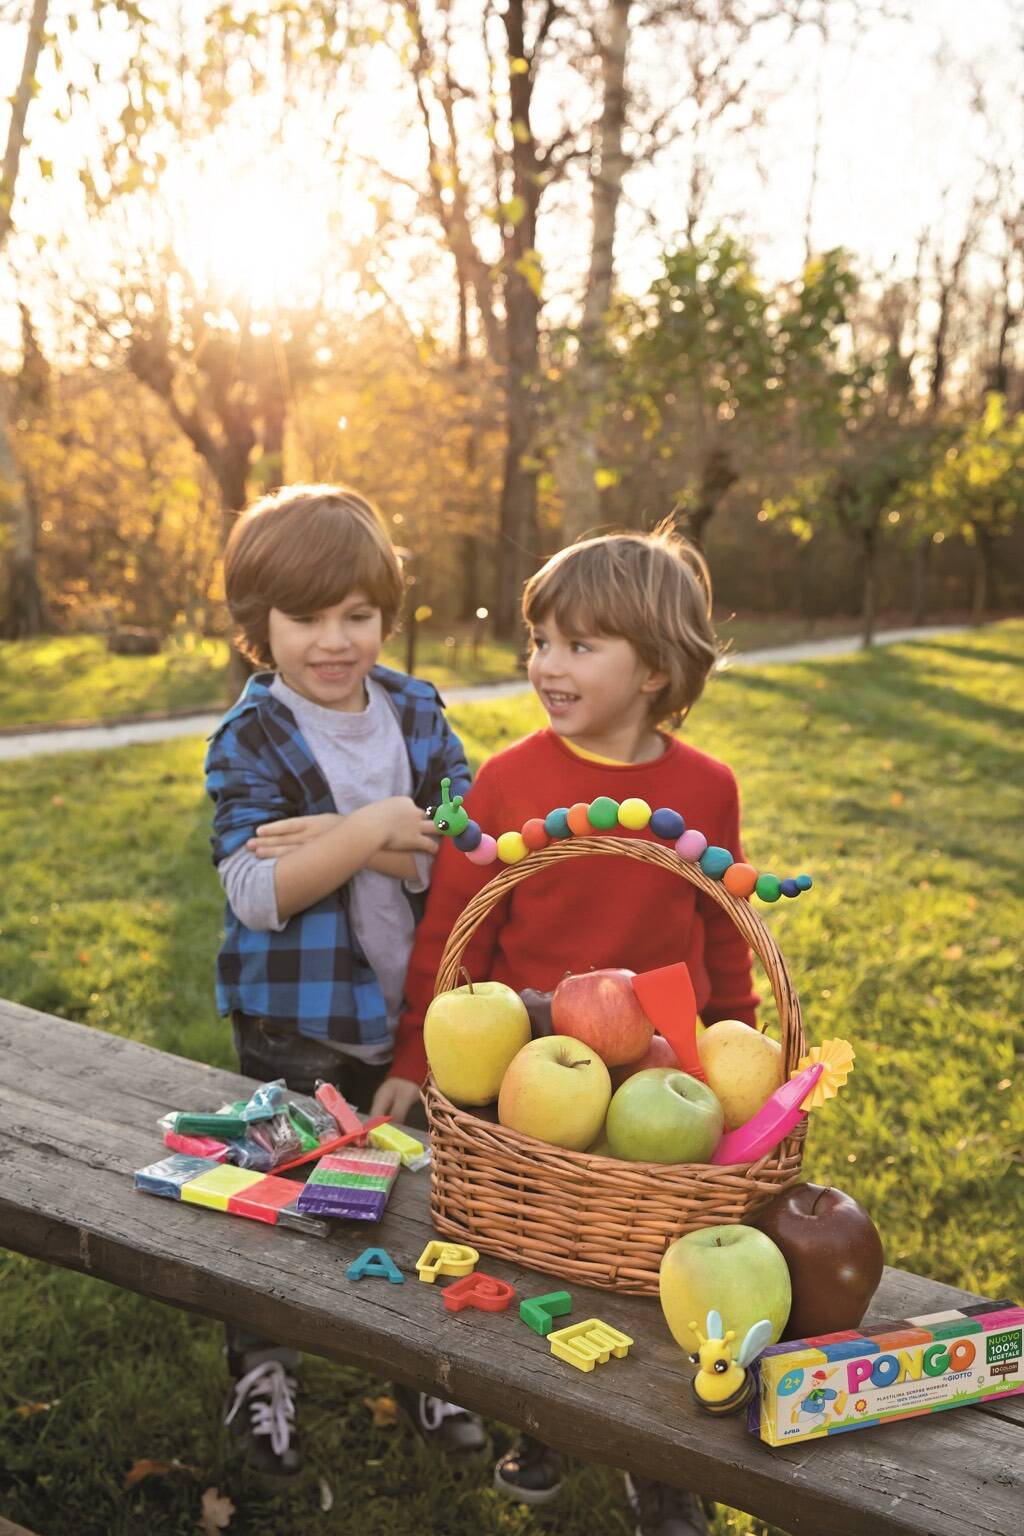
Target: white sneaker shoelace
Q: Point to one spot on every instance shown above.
(434, 1410)
(271, 1395)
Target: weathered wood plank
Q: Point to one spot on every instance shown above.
(78, 1108)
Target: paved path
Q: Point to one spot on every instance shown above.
(84, 738)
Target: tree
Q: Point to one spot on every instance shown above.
(21, 607)
(973, 486)
(716, 367)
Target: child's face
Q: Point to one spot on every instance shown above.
(593, 687)
(325, 656)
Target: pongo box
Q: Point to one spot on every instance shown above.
(812, 1388)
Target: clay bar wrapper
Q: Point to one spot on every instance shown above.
(302, 1221)
(168, 1175)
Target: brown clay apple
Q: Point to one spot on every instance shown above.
(834, 1254)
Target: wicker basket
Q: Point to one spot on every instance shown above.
(594, 1220)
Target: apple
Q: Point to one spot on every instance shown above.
(471, 1034)
(743, 1067)
(658, 1054)
(538, 1006)
(663, 1115)
(556, 1089)
(601, 1009)
(834, 1255)
(733, 1270)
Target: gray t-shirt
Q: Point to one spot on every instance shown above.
(363, 758)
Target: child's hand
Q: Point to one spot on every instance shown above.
(275, 838)
(395, 1097)
(407, 828)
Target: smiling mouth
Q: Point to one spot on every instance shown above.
(560, 700)
(332, 668)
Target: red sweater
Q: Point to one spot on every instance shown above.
(589, 912)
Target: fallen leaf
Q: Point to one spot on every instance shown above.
(897, 797)
(27, 1410)
(216, 1512)
(953, 952)
(326, 1496)
(384, 1410)
(56, 799)
(1003, 1083)
(887, 764)
(142, 1469)
(82, 957)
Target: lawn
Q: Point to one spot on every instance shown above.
(74, 677)
(894, 777)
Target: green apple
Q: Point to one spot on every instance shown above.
(743, 1067)
(735, 1271)
(471, 1034)
(557, 1089)
(663, 1115)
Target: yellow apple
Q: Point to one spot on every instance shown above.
(471, 1034)
(742, 1066)
(558, 1090)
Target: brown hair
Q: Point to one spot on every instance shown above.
(304, 549)
(652, 589)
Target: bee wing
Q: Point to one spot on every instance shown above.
(758, 1337)
(713, 1327)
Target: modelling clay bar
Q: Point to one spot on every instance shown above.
(841, 1381)
(222, 1187)
(353, 1184)
(388, 1138)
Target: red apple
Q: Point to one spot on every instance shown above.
(834, 1254)
(601, 1009)
(658, 1054)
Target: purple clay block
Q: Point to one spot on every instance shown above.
(344, 1204)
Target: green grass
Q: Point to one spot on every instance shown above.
(893, 777)
(74, 677)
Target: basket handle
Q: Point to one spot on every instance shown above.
(757, 935)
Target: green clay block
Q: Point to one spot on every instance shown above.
(768, 887)
(603, 813)
(539, 1312)
(225, 1126)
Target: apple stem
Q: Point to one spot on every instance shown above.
(718, 1242)
(817, 1197)
(469, 980)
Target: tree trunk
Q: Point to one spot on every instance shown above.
(868, 586)
(21, 604)
(922, 562)
(982, 573)
(578, 457)
(717, 477)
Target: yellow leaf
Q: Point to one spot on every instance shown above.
(897, 797)
(520, 131)
(215, 1513)
(953, 952)
(384, 1410)
(517, 66)
(28, 1410)
(143, 1469)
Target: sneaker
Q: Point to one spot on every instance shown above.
(530, 1473)
(447, 1428)
(664, 1511)
(262, 1416)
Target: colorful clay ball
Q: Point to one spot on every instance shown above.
(535, 834)
(667, 824)
(634, 814)
(603, 813)
(691, 845)
(470, 838)
(804, 882)
(485, 852)
(740, 880)
(511, 848)
(789, 887)
(768, 887)
(579, 818)
(715, 861)
(556, 823)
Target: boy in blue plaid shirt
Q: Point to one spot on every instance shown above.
(321, 775)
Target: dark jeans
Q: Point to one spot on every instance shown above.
(267, 1052)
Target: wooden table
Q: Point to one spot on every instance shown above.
(78, 1110)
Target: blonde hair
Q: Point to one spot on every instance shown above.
(652, 589)
(302, 550)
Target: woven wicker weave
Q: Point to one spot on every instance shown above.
(594, 1220)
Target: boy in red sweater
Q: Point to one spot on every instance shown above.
(622, 643)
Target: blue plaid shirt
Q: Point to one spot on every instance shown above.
(312, 975)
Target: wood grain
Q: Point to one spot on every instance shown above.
(78, 1109)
